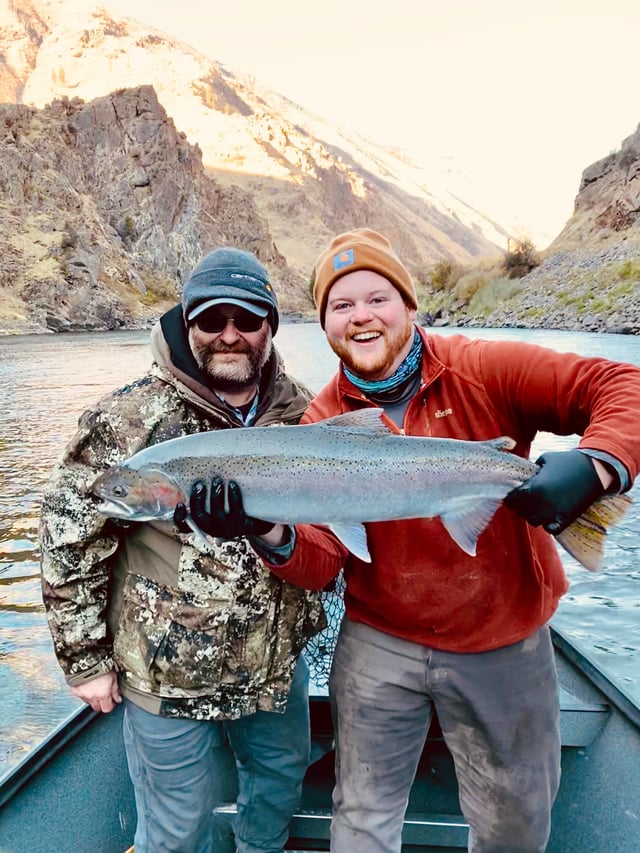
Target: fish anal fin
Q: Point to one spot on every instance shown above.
(466, 523)
(199, 534)
(353, 537)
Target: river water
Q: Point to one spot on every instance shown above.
(47, 381)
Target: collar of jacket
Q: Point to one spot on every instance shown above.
(281, 398)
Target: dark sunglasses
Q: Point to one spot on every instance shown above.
(214, 321)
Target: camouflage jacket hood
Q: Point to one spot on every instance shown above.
(194, 630)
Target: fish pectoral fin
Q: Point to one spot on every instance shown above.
(199, 534)
(466, 523)
(353, 537)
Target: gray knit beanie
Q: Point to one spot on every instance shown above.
(228, 275)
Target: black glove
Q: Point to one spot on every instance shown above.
(566, 484)
(218, 522)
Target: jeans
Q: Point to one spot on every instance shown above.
(500, 717)
(173, 766)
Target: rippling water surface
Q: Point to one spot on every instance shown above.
(45, 384)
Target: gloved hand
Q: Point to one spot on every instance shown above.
(218, 522)
(566, 484)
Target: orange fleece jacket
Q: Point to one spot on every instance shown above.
(420, 586)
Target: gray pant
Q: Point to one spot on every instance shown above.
(173, 769)
(499, 714)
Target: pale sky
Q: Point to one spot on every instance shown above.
(525, 95)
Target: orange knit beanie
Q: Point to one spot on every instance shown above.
(361, 249)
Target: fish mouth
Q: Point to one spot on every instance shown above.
(115, 510)
(112, 509)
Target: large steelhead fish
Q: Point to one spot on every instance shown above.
(343, 472)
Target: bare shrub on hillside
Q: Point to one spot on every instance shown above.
(521, 257)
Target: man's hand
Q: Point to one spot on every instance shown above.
(564, 487)
(101, 692)
(218, 522)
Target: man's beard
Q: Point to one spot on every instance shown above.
(365, 368)
(236, 375)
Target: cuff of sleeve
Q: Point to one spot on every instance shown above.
(621, 472)
(100, 668)
(278, 555)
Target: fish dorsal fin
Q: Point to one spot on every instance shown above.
(364, 419)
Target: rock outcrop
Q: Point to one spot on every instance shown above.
(280, 177)
(589, 279)
(608, 201)
(104, 207)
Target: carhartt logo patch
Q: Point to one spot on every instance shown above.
(344, 259)
(252, 280)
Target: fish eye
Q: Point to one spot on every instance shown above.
(120, 491)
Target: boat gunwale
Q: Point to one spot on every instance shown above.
(16, 777)
(622, 701)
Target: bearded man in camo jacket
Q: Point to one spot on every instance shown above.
(200, 640)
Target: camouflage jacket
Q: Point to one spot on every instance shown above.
(194, 630)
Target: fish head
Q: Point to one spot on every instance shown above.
(137, 495)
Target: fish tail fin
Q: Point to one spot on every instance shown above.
(609, 510)
(584, 539)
